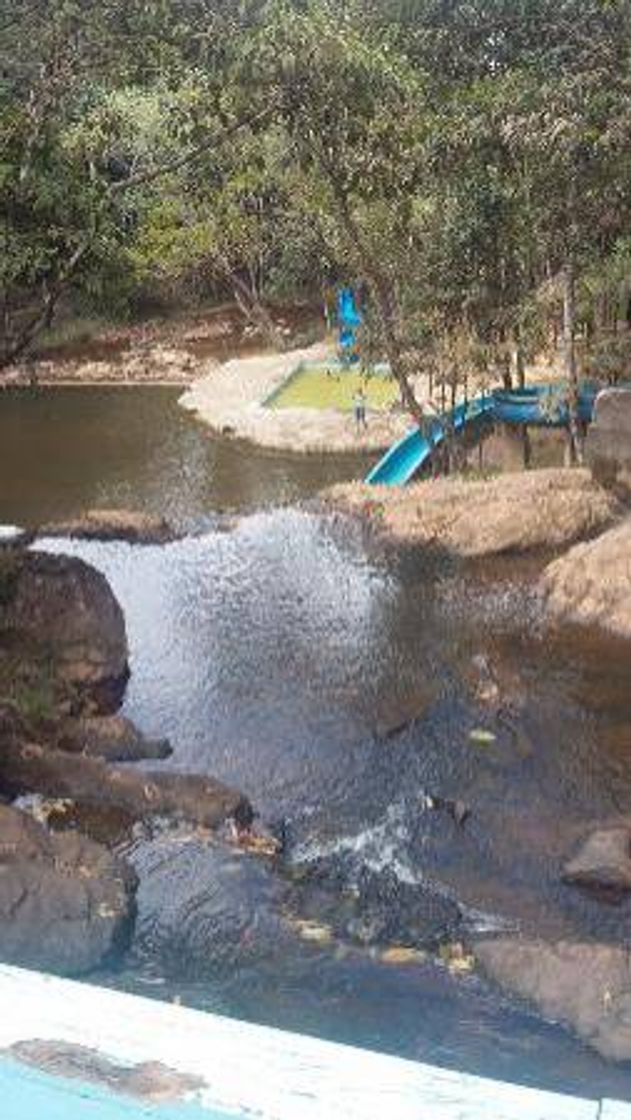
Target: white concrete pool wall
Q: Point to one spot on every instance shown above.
(254, 1071)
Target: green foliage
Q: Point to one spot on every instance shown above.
(468, 162)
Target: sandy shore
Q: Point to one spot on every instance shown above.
(230, 400)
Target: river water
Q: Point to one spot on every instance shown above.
(344, 691)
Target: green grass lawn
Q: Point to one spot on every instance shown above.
(331, 386)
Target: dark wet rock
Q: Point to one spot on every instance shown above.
(591, 584)
(608, 444)
(395, 712)
(62, 609)
(11, 536)
(66, 903)
(373, 907)
(204, 909)
(485, 685)
(113, 525)
(27, 766)
(603, 863)
(150, 1081)
(113, 738)
(586, 986)
(458, 810)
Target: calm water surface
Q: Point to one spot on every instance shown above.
(67, 449)
(338, 688)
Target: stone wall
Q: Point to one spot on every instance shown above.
(608, 445)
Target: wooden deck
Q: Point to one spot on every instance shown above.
(242, 1070)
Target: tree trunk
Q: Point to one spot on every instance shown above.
(395, 350)
(383, 292)
(526, 448)
(252, 308)
(571, 368)
(520, 364)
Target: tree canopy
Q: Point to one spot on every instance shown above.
(467, 161)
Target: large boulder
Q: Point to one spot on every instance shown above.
(591, 584)
(608, 444)
(603, 863)
(586, 986)
(66, 903)
(61, 609)
(112, 525)
(512, 513)
(26, 766)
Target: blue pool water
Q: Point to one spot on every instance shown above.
(28, 1094)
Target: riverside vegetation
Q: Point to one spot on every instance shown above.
(469, 163)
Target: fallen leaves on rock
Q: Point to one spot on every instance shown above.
(403, 954)
(45, 807)
(308, 930)
(456, 958)
(259, 845)
(482, 737)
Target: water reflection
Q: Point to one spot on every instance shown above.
(67, 449)
(338, 690)
(269, 655)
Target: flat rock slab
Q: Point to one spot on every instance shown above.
(591, 584)
(513, 513)
(112, 525)
(603, 863)
(66, 903)
(27, 767)
(586, 986)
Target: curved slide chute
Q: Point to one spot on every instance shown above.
(409, 454)
(542, 405)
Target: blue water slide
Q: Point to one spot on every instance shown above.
(543, 405)
(349, 319)
(406, 457)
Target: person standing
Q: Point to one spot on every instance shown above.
(359, 409)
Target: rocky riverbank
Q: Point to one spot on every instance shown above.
(583, 984)
(560, 511)
(591, 584)
(513, 513)
(60, 737)
(66, 902)
(164, 351)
